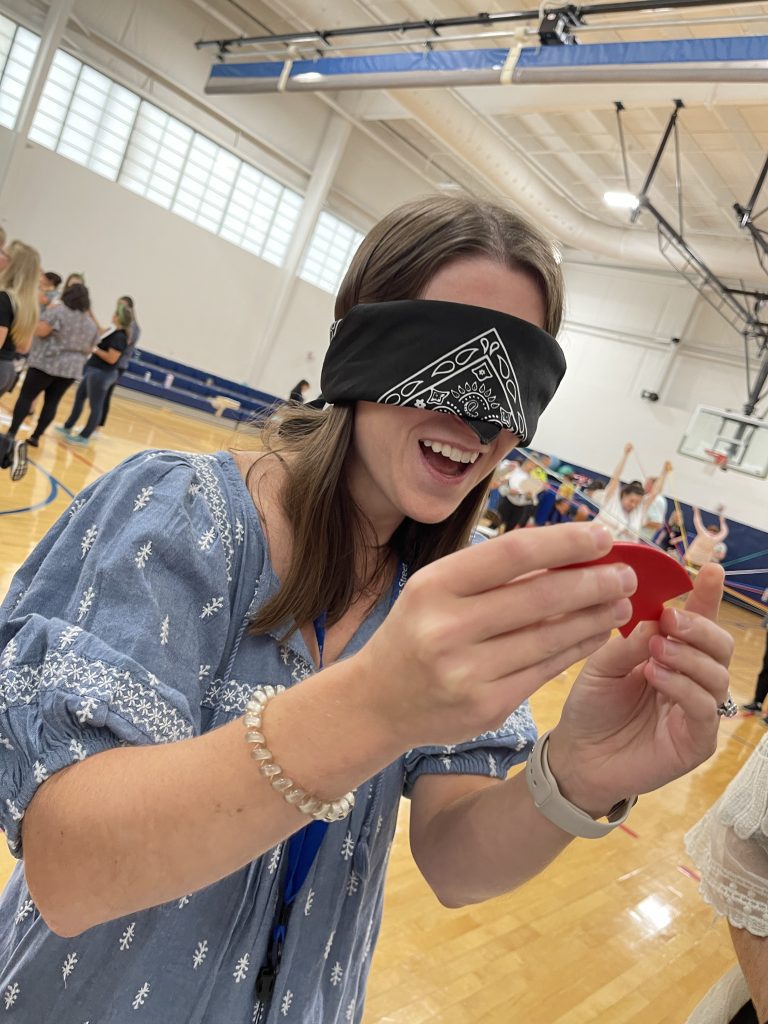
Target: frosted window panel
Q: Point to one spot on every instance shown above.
(330, 252)
(17, 61)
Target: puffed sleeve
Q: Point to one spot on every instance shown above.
(491, 754)
(109, 624)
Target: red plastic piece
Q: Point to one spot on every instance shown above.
(659, 578)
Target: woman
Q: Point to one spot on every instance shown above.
(125, 359)
(18, 318)
(703, 547)
(624, 507)
(144, 625)
(65, 337)
(729, 846)
(100, 374)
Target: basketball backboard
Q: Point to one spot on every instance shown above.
(742, 439)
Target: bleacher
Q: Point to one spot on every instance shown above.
(159, 377)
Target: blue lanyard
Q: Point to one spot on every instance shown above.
(303, 847)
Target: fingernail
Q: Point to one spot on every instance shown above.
(603, 538)
(627, 578)
(622, 611)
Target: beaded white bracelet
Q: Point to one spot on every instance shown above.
(320, 810)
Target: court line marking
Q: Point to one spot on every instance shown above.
(55, 484)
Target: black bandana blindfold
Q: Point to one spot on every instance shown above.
(493, 370)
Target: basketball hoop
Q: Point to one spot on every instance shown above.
(719, 460)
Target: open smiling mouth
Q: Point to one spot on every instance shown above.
(447, 460)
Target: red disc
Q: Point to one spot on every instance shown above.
(659, 578)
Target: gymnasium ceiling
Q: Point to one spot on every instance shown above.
(566, 136)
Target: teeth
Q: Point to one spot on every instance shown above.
(454, 454)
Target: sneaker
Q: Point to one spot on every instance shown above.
(753, 707)
(764, 720)
(33, 442)
(62, 430)
(77, 439)
(19, 465)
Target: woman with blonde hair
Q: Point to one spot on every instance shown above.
(19, 283)
(221, 672)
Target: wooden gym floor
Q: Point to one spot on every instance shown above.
(613, 932)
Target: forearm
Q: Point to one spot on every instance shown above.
(107, 355)
(486, 843)
(135, 827)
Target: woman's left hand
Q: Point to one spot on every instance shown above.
(643, 711)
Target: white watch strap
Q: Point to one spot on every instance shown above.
(561, 812)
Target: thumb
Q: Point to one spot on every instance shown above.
(707, 592)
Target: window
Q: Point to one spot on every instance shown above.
(84, 116)
(18, 49)
(330, 252)
(156, 155)
(88, 118)
(206, 183)
(261, 215)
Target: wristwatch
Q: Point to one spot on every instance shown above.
(561, 812)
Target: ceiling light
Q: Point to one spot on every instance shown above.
(621, 200)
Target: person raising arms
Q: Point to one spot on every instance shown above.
(624, 507)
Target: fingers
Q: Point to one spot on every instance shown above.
(707, 592)
(699, 668)
(546, 642)
(697, 704)
(496, 562)
(521, 685)
(547, 594)
(698, 632)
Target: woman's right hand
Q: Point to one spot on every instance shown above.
(475, 633)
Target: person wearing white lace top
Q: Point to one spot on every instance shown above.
(730, 848)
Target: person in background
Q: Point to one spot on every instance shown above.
(580, 513)
(125, 359)
(702, 547)
(729, 846)
(100, 374)
(74, 278)
(3, 253)
(594, 492)
(541, 465)
(18, 318)
(761, 686)
(517, 495)
(625, 506)
(656, 515)
(671, 535)
(65, 337)
(298, 391)
(49, 289)
(567, 487)
(560, 512)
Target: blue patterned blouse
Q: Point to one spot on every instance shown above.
(127, 625)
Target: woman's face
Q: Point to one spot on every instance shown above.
(393, 472)
(630, 502)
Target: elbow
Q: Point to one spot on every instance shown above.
(60, 913)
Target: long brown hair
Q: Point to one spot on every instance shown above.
(21, 280)
(396, 260)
